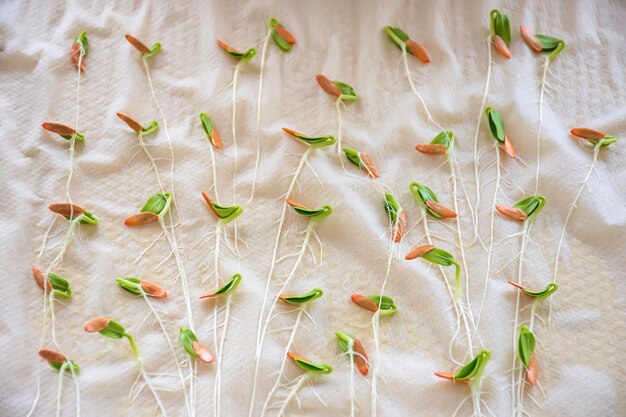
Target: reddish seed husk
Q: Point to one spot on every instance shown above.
(66, 209)
(368, 165)
(207, 295)
(203, 353)
(132, 123)
(58, 128)
(508, 147)
(226, 46)
(294, 203)
(285, 34)
(530, 39)
(294, 356)
(515, 284)
(140, 219)
(152, 289)
(75, 52)
(445, 375)
(441, 210)
(364, 303)
(511, 212)
(216, 140)
(328, 85)
(418, 51)
(431, 148)
(51, 356)
(360, 357)
(500, 46)
(210, 203)
(418, 251)
(140, 46)
(399, 228)
(532, 371)
(96, 324)
(586, 133)
(40, 278)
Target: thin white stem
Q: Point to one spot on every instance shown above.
(234, 128)
(596, 152)
(220, 354)
(60, 386)
(352, 396)
(283, 362)
(268, 317)
(214, 168)
(216, 272)
(150, 387)
(476, 158)
(279, 232)
(292, 393)
(258, 114)
(543, 88)
(77, 389)
(491, 228)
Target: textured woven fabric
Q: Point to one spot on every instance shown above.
(580, 354)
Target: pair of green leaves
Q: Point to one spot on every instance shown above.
(227, 214)
(347, 91)
(525, 345)
(496, 124)
(83, 42)
(386, 305)
(130, 284)
(398, 36)
(84, 218)
(158, 204)
(422, 195)
(66, 365)
(316, 215)
(60, 286)
(550, 44)
(531, 205)
(242, 56)
(283, 43)
(114, 330)
(312, 367)
(186, 337)
(541, 295)
(499, 23)
(154, 49)
(151, 127)
(345, 342)
(305, 298)
(392, 207)
(445, 138)
(314, 141)
(606, 141)
(353, 156)
(474, 368)
(440, 257)
(229, 288)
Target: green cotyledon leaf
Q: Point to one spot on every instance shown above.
(347, 91)
(187, 338)
(282, 37)
(113, 330)
(305, 298)
(445, 138)
(422, 195)
(474, 367)
(547, 291)
(550, 44)
(83, 41)
(526, 345)
(386, 305)
(531, 205)
(500, 26)
(65, 365)
(345, 342)
(60, 286)
(158, 204)
(392, 207)
(439, 257)
(310, 366)
(229, 288)
(496, 124)
(313, 141)
(130, 284)
(353, 156)
(397, 35)
(315, 214)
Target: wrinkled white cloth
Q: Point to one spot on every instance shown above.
(580, 355)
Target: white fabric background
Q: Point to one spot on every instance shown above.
(582, 355)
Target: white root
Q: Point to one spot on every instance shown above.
(301, 381)
(281, 222)
(543, 88)
(234, 129)
(220, 353)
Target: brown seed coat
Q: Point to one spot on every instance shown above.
(418, 251)
(399, 228)
(441, 210)
(532, 371)
(418, 51)
(368, 165)
(75, 52)
(58, 128)
(500, 46)
(140, 46)
(51, 356)
(508, 147)
(511, 212)
(328, 85)
(431, 148)
(66, 209)
(132, 123)
(285, 34)
(586, 133)
(216, 140)
(209, 203)
(294, 203)
(530, 39)
(40, 276)
(203, 353)
(364, 303)
(360, 358)
(152, 289)
(140, 219)
(226, 46)
(96, 324)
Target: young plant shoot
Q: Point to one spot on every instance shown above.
(113, 330)
(354, 350)
(526, 347)
(311, 369)
(312, 144)
(472, 373)
(147, 290)
(363, 161)
(553, 47)
(300, 303)
(314, 217)
(242, 58)
(285, 41)
(598, 141)
(216, 142)
(342, 92)
(61, 364)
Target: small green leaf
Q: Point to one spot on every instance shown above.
(439, 257)
(243, 56)
(207, 124)
(386, 305)
(550, 44)
(282, 43)
(150, 128)
(315, 141)
(500, 26)
(542, 294)
(345, 342)
(474, 367)
(353, 156)
(496, 124)
(114, 330)
(397, 35)
(445, 138)
(68, 364)
(606, 141)
(392, 207)
(531, 205)
(186, 338)
(305, 298)
(526, 345)
(312, 367)
(316, 214)
(60, 286)
(158, 204)
(153, 50)
(130, 284)
(230, 287)
(83, 41)
(76, 136)
(88, 218)
(227, 214)
(422, 195)
(347, 92)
